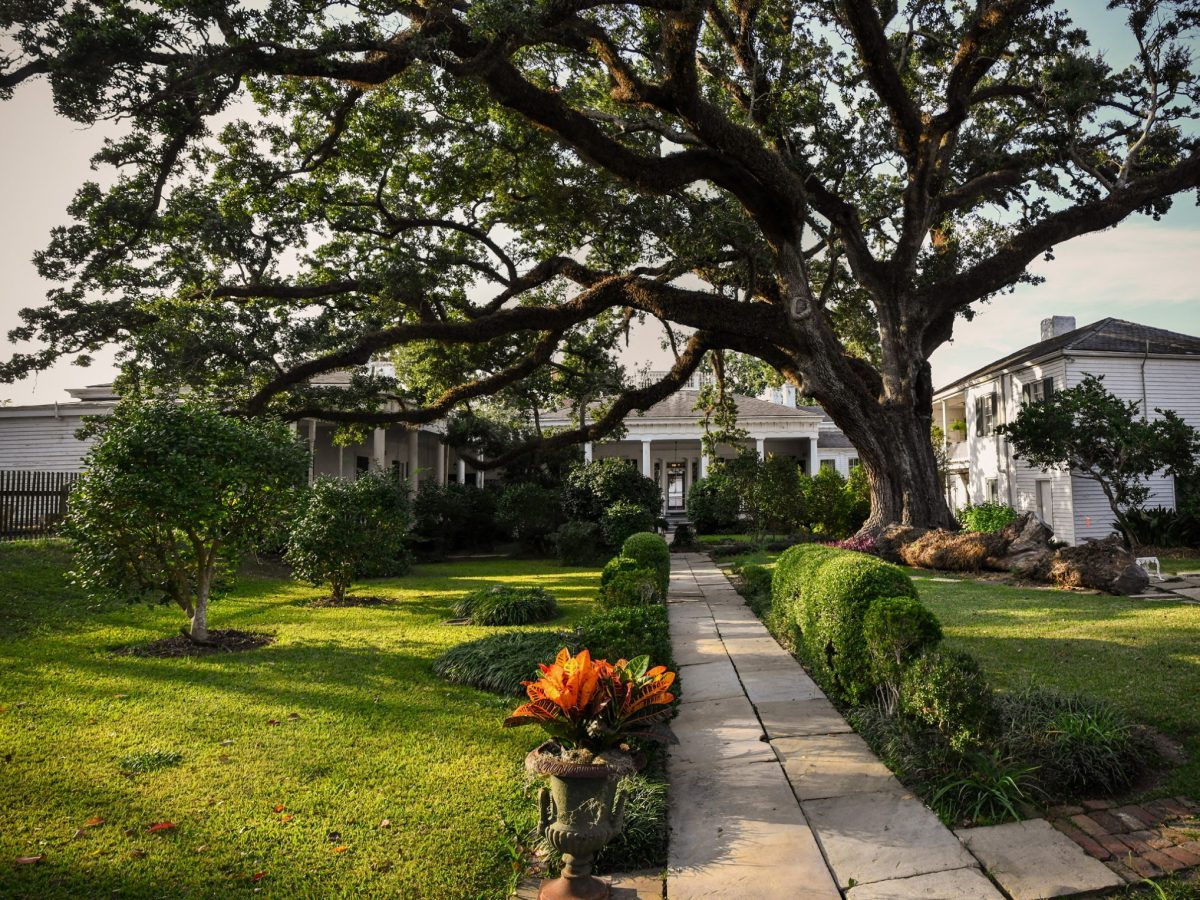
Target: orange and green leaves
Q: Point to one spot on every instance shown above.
(595, 703)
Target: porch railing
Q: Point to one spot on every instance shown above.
(32, 504)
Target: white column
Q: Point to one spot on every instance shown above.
(479, 476)
(587, 451)
(380, 448)
(703, 465)
(760, 447)
(439, 468)
(813, 464)
(341, 461)
(462, 471)
(414, 438)
(312, 450)
(646, 470)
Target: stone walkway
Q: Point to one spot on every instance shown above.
(772, 794)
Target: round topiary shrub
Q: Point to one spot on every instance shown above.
(637, 587)
(896, 630)
(504, 604)
(832, 606)
(502, 662)
(793, 573)
(651, 551)
(615, 566)
(623, 519)
(946, 690)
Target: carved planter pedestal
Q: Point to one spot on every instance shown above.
(581, 811)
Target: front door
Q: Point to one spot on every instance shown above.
(675, 491)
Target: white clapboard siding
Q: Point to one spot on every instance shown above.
(42, 442)
(1026, 478)
(1154, 383)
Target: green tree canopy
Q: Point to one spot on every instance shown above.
(171, 498)
(302, 188)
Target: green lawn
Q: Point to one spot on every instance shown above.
(1143, 656)
(339, 723)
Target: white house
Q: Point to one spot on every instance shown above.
(664, 442)
(1157, 368)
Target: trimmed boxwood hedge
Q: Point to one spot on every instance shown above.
(651, 551)
(615, 566)
(794, 571)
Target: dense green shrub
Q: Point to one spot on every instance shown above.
(616, 565)
(793, 575)
(578, 543)
(713, 504)
(831, 612)
(896, 630)
(947, 691)
(627, 633)
(455, 516)
(591, 489)
(172, 496)
(985, 788)
(501, 662)
(858, 494)
(986, 516)
(830, 504)
(757, 580)
(651, 551)
(1080, 745)
(622, 519)
(635, 587)
(503, 604)
(1162, 527)
(351, 529)
(530, 513)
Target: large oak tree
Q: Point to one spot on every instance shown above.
(497, 186)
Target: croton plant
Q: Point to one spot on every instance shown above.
(595, 705)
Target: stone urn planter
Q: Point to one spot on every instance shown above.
(581, 810)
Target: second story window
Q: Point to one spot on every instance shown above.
(985, 415)
(1037, 390)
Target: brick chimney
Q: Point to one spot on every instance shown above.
(1057, 325)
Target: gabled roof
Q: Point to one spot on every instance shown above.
(1114, 336)
(682, 405)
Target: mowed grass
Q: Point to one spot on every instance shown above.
(332, 763)
(1143, 656)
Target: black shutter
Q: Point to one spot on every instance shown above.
(1026, 393)
(979, 416)
(1047, 388)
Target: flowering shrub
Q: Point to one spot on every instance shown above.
(859, 543)
(594, 704)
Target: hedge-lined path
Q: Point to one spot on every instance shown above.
(772, 794)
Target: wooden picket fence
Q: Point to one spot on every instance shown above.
(32, 504)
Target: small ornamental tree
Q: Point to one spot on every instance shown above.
(351, 529)
(172, 496)
(592, 488)
(1099, 436)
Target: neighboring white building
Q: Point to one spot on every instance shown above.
(664, 442)
(1157, 368)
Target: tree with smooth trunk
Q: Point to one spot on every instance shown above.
(173, 495)
(826, 186)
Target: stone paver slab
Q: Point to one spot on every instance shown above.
(694, 628)
(709, 681)
(1032, 860)
(752, 653)
(959, 884)
(883, 836)
(738, 833)
(832, 765)
(685, 609)
(699, 650)
(779, 684)
(782, 718)
(718, 732)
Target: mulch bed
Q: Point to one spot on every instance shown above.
(346, 602)
(1147, 841)
(224, 641)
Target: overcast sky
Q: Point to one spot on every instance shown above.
(1143, 271)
